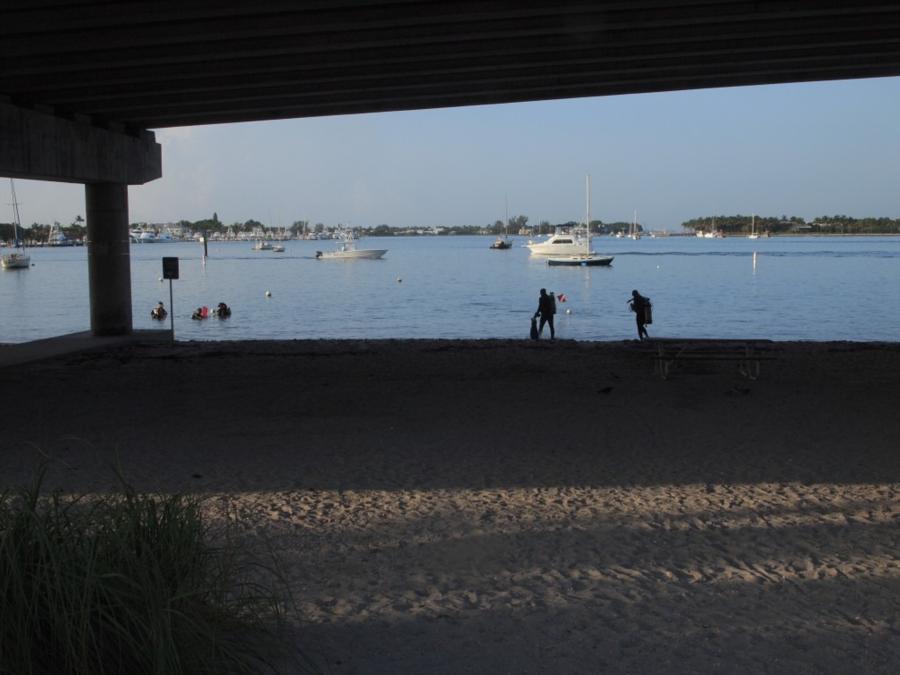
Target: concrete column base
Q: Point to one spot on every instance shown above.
(109, 258)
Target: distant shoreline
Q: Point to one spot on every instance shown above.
(790, 234)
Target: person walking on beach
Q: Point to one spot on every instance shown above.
(641, 308)
(546, 309)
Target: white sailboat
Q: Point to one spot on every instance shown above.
(587, 258)
(634, 234)
(503, 242)
(753, 234)
(17, 259)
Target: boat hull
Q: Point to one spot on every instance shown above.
(357, 254)
(15, 261)
(543, 248)
(581, 261)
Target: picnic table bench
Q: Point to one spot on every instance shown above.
(748, 354)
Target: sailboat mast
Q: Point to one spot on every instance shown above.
(587, 216)
(506, 199)
(15, 205)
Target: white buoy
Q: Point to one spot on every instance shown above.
(399, 280)
(568, 311)
(268, 294)
(160, 280)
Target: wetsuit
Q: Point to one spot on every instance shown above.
(546, 308)
(638, 306)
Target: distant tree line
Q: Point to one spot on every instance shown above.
(736, 224)
(741, 224)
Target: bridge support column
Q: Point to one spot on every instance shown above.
(109, 258)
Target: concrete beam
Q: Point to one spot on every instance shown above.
(39, 145)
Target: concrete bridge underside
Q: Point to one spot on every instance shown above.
(81, 81)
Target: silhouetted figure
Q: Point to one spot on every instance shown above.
(223, 311)
(159, 312)
(546, 309)
(641, 308)
(198, 314)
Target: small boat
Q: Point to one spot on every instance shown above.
(277, 248)
(634, 233)
(581, 261)
(753, 234)
(17, 259)
(503, 241)
(348, 250)
(261, 245)
(585, 257)
(56, 237)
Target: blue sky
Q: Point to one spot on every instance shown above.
(800, 149)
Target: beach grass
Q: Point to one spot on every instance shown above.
(130, 583)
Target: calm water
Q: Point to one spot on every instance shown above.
(835, 288)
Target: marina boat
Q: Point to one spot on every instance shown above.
(56, 237)
(753, 234)
(16, 259)
(713, 232)
(277, 248)
(634, 233)
(261, 245)
(585, 257)
(348, 250)
(503, 242)
(561, 242)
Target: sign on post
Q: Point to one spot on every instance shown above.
(170, 268)
(170, 271)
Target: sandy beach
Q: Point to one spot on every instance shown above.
(516, 507)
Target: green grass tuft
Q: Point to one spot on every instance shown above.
(129, 583)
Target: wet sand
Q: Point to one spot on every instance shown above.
(507, 506)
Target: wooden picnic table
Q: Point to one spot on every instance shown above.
(748, 354)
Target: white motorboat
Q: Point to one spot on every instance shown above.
(348, 250)
(561, 242)
(16, 259)
(56, 237)
(261, 245)
(585, 257)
